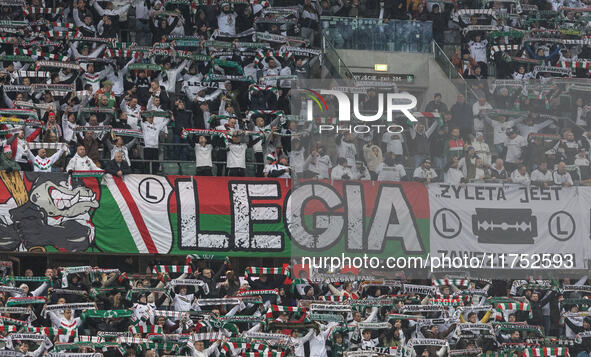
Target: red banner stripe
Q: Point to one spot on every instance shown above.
(137, 217)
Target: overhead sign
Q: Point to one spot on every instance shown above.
(384, 77)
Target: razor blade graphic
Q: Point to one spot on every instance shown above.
(504, 226)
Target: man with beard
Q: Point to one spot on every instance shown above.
(226, 19)
(425, 173)
(42, 163)
(436, 105)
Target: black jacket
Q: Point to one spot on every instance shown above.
(536, 309)
(585, 346)
(462, 116)
(212, 282)
(112, 167)
(182, 120)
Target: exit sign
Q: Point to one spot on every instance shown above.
(384, 77)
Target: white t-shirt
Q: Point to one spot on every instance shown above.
(423, 173)
(203, 155)
(453, 176)
(321, 167)
(478, 50)
(339, 171)
(347, 150)
(390, 173)
(297, 159)
(227, 23)
(562, 179)
(276, 167)
(394, 143)
(582, 161)
(514, 148)
(237, 155)
(539, 176)
(500, 130)
(517, 177)
(479, 174)
(476, 108)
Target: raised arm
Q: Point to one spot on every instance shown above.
(53, 158)
(45, 345)
(222, 108)
(372, 315)
(76, 17)
(41, 288)
(413, 131)
(74, 49)
(308, 337)
(97, 51)
(130, 144)
(54, 319)
(211, 349)
(542, 125)
(183, 64)
(100, 27)
(9, 103)
(163, 124)
(123, 106)
(328, 330)
(126, 68)
(120, 11)
(98, 8)
(334, 290)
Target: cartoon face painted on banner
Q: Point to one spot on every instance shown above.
(58, 199)
(46, 210)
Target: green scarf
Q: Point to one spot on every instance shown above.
(106, 314)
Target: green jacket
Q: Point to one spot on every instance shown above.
(337, 350)
(6, 164)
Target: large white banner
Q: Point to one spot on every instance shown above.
(493, 219)
(143, 202)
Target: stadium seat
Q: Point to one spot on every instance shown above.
(187, 169)
(170, 168)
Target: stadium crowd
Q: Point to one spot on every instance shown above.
(127, 85)
(86, 88)
(210, 307)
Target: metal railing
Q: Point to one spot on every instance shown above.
(378, 35)
(445, 63)
(184, 167)
(452, 73)
(331, 55)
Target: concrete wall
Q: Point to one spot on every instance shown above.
(429, 78)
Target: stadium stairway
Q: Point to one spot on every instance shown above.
(433, 72)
